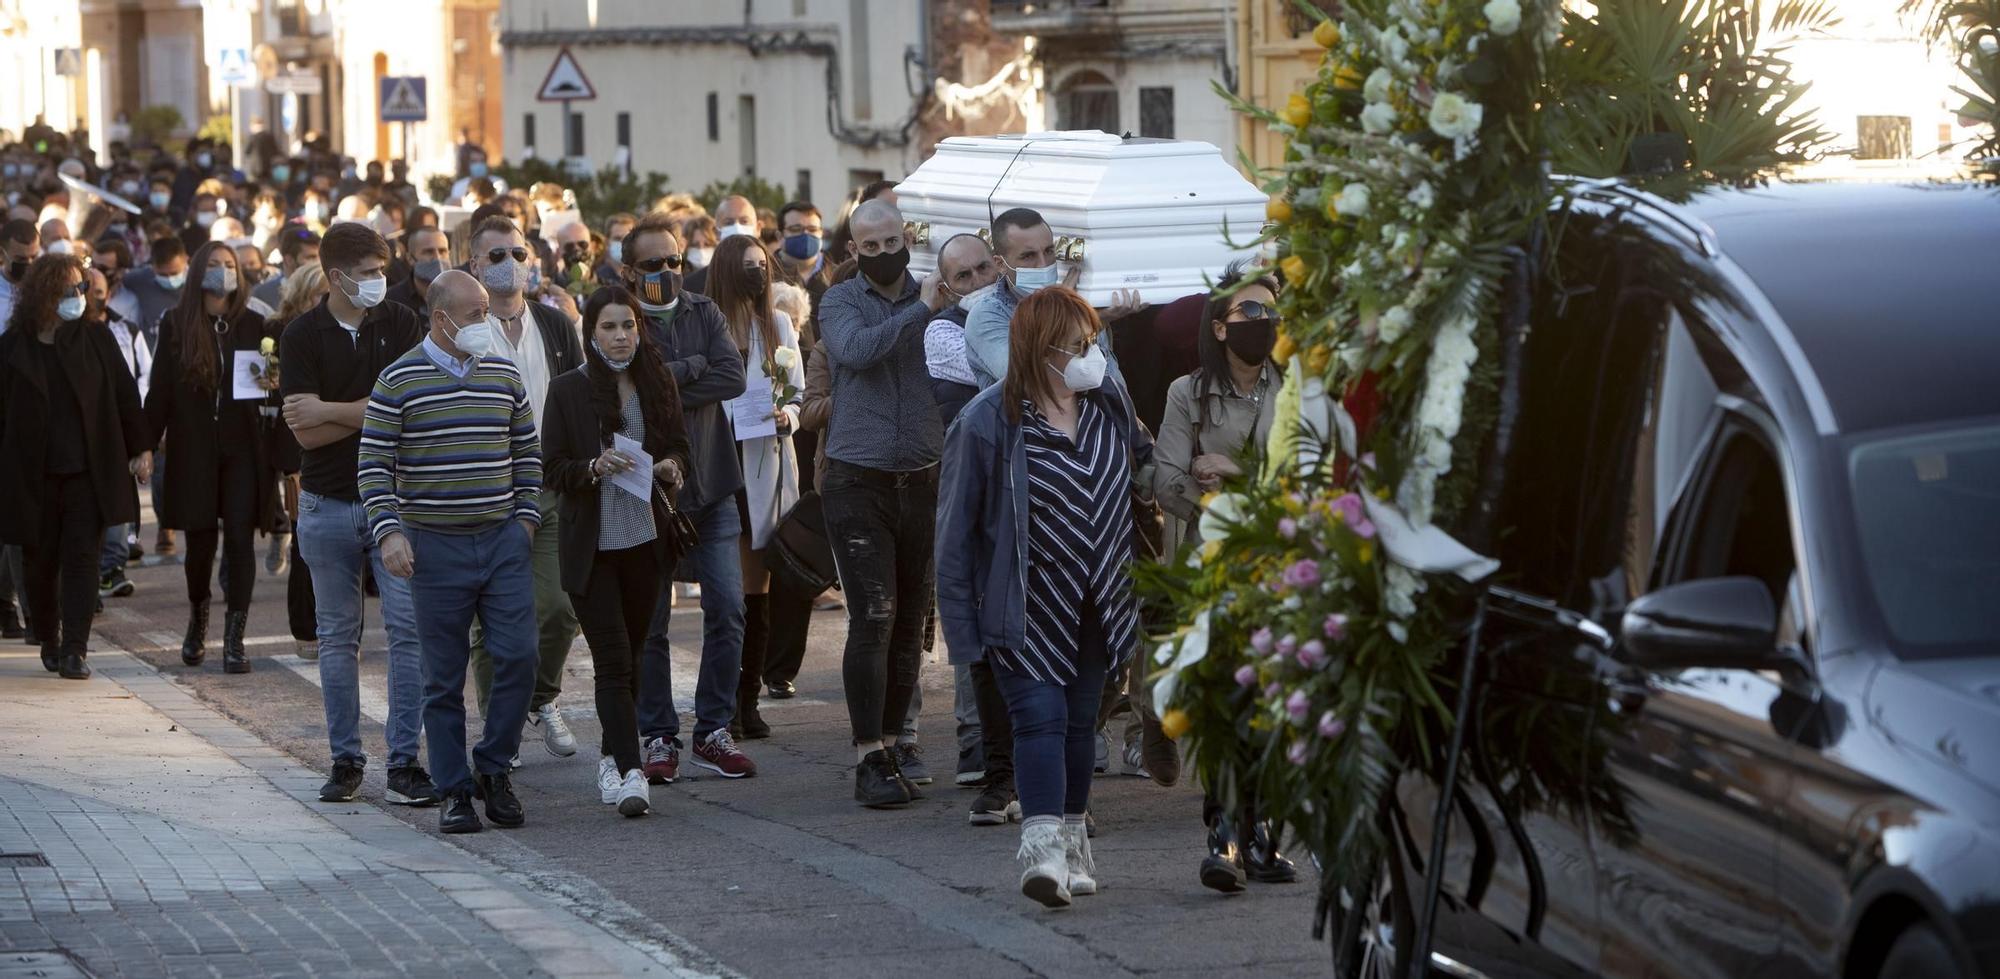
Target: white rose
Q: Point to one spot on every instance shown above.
(1376, 89)
(1353, 200)
(1378, 118)
(1503, 16)
(786, 357)
(1394, 324)
(1423, 197)
(1454, 117)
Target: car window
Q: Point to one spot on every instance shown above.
(1740, 525)
(1928, 509)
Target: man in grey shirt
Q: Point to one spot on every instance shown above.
(880, 489)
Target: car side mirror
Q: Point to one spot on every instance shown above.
(1716, 622)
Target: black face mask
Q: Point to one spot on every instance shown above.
(885, 268)
(755, 281)
(1252, 340)
(575, 254)
(17, 269)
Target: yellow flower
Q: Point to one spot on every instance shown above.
(1278, 210)
(1294, 268)
(1284, 349)
(1174, 723)
(1366, 552)
(1327, 34)
(1210, 550)
(1317, 357)
(267, 346)
(1347, 78)
(1298, 111)
(1332, 212)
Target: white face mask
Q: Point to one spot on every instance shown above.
(1085, 373)
(698, 257)
(616, 365)
(472, 339)
(70, 308)
(1031, 280)
(728, 230)
(973, 298)
(368, 292)
(60, 246)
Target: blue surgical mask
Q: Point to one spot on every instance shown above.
(159, 199)
(1031, 280)
(802, 246)
(70, 308)
(174, 281)
(616, 252)
(616, 365)
(281, 173)
(477, 169)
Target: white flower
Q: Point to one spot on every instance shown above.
(1376, 89)
(1378, 118)
(1353, 200)
(1423, 197)
(1455, 117)
(1503, 16)
(1399, 594)
(1552, 27)
(1394, 324)
(785, 357)
(1224, 512)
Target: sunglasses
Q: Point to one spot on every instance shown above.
(652, 265)
(498, 255)
(1254, 310)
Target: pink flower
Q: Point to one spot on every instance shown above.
(1288, 645)
(1349, 508)
(1330, 726)
(1312, 655)
(1246, 675)
(1303, 575)
(1368, 461)
(1272, 690)
(1336, 626)
(1364, 528)
(1261, 641)
(1297, 753)
(1298, 705)
(1288, 528)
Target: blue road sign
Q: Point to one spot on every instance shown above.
(404, 99)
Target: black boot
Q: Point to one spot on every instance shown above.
(749, 684)
(233, 658)
(1261, 859)
(74, 667)
(1222, 869)
(51, 656)
(194, 646)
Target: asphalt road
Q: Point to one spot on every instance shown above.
(782, 874)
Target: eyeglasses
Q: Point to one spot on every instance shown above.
(498, 255)
(652, 265)
(1077, 349)
(1254, 310)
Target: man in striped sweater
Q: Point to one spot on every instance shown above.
(450, 473)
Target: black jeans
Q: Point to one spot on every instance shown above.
(881, 526)
(996, 728)
(71, 536)
(236, 484)
(615, 611)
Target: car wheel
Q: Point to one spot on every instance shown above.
(1370, 925)
(1919, 953)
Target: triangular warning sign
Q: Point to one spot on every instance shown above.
(403, 98)
(565, 82)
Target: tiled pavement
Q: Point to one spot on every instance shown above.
(146, 835)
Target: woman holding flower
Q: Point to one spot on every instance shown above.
(739, 279)
(1216, 418)
(217, 484)
(1034, 544)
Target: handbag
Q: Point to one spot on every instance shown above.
(676, 531)
(800, 555)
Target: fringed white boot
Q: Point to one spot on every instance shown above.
(1076, 857)
(1046, 877)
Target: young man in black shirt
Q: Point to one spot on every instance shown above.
(332, 355)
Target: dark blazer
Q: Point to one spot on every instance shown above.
(571, 438)
(114, 427)
(561, 342)
(185, 420)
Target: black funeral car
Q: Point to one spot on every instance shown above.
(1739, 699)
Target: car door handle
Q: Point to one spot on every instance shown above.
(1628, 695)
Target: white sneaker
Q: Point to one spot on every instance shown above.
(1077, 859)
(633, 797)
(608, 780)
(555, 731)
(1046, 878)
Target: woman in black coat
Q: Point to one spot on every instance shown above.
(615, 547)
(72, 437)
(215, 439)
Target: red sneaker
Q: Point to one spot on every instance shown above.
(718, 753)
(662, 761)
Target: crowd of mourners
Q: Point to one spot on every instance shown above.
(511, 422)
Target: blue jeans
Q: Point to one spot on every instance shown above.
(719, 570)
(1055, 731)
(489, 575)
(333, 542)
(116, 551)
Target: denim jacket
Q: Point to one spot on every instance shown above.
(982, 524)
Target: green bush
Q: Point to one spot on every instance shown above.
(153, 124)
(603, 193)
(220, 129)
(761, 193)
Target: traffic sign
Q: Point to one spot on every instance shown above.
(404, 98)
(233, 64)
(296, 83)
(565, 82)
(69, 61)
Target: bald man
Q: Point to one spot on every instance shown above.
(450, 473)
(880, 492)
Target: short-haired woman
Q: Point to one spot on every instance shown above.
(72, 437)
(614, 545)
(1049, 604)
(215, 436)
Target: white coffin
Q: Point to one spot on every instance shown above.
(1145, 214)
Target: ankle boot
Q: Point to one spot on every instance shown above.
(749, 684)
(1261, 859)
(1222, 869)
(194, 644)
(233, 658)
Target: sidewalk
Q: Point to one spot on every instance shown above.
(144, 834)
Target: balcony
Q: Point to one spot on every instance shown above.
(1054, 18)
